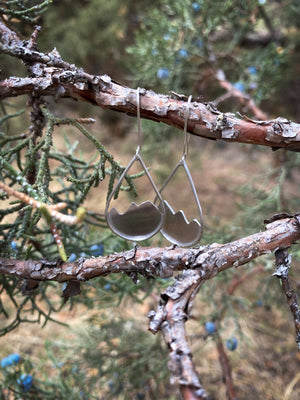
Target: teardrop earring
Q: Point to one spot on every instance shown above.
(139, 221)
(176, 228)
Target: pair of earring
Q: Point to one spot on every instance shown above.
(142, 221)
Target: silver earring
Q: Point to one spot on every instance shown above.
(139, 221)
(176, 228)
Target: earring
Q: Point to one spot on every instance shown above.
(176, 227)
(139, 221)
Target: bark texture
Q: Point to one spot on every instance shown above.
(50, 75)
(149, 261)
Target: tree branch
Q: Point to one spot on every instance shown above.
(197, 265)
(172, 314)
(55, 77)
(283, 261)
(176, 302)
(231, 91)
(226, 369)
(162, 262)
(205, 120)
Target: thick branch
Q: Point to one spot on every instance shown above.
(176, 302)
(55, 77)
(210, 260)
(174, 310)
(205, 120)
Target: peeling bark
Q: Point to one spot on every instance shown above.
(197, 265)
(205, 120)
(176, 301)
(149, 261)
(50, 75)
(283, 264)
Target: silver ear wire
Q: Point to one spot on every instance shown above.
(139, 221)
(176, 228)
(186, 137)
(138, 113)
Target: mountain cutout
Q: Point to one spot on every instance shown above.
(138, 222)
(178, 230)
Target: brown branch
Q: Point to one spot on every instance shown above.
(210, 260)
(237, 280)
(244, 99)
(283, 260)
(198, 265)
(176, 302)
(226, 369)
(13, 45)
(170, 318)
(55, 77)
(205, 120)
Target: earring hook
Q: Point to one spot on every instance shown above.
(140, 221)
(177, 228)
(138, 111)
(186, 137)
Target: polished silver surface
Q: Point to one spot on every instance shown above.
(177, 230)
(138, 222)
(176, 227)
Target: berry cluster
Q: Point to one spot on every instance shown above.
(10, 360)
(25, 380)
